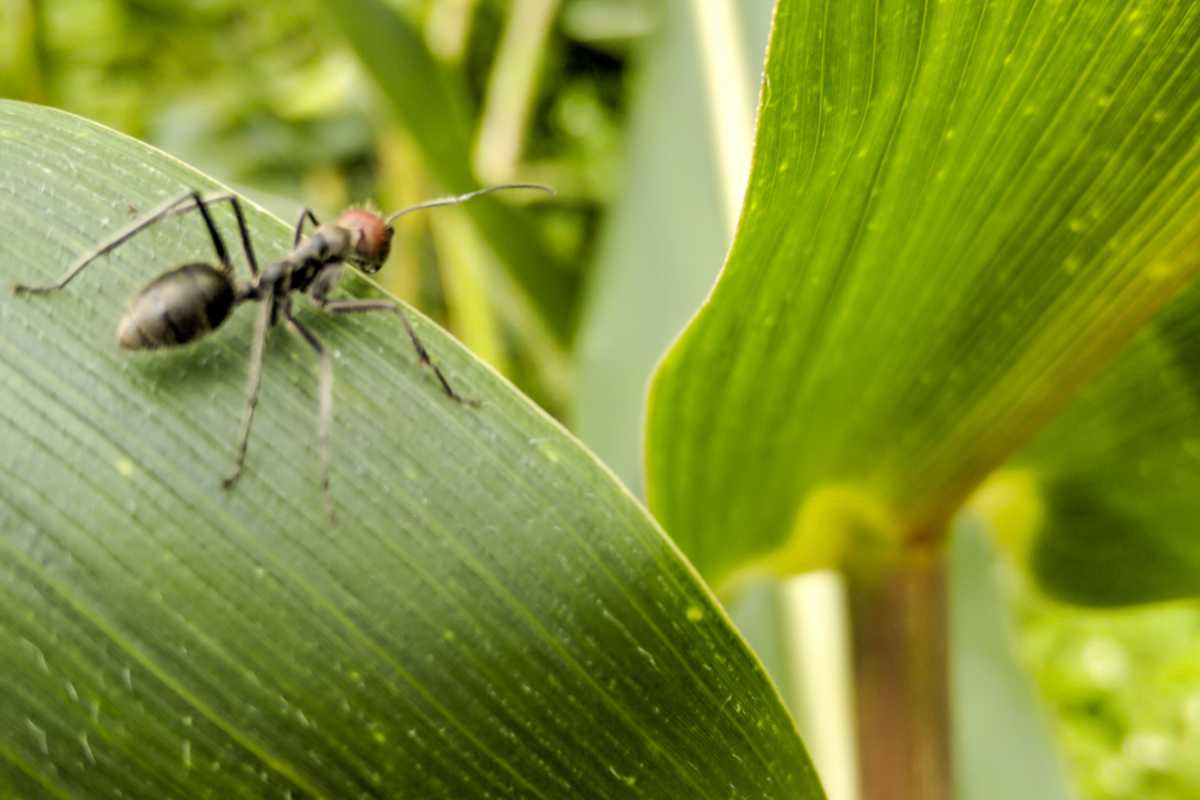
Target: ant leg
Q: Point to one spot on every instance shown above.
(217, 242)
(325, 403)
(253, 381)
(243, 231)
(305, 214)
(118, 239)
(359, 306)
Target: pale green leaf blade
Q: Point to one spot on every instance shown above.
(957, 214)
(493, 615)
(432, 105)
(666, 235)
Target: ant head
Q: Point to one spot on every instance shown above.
(372, 238)
(373, 233)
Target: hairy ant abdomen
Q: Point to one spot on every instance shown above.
(178, 307)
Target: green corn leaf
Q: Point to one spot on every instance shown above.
(957, 214)
(432, 105)
(492, 616)
(1103, 505)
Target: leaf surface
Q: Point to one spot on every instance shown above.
(957, 214)
(492, 616)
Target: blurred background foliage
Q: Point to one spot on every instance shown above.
(270, 98)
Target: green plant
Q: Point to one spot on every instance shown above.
(941, 242)
(961, 223)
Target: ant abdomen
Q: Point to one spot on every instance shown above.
(177, 307)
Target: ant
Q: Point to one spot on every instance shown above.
(191, 301)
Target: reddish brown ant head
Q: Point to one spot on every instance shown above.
(372, 238)
(373, 233)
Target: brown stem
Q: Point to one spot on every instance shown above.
(898, 618)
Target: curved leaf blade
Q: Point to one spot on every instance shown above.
(492, 616)
(956, 215)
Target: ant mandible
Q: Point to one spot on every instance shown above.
(191, 301)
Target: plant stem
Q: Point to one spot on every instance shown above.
(512, 89)
(899, 633)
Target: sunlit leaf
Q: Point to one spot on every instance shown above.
(957, 214)
(492, 616)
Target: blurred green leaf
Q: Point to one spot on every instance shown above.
(493, 616)
(1113, 485)
(432, 104)
(1125, 686)
(512, 88)
(1003, 746)
(659, 252)
(957, 214)
(664, 238)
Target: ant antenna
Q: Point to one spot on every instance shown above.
(462, 198)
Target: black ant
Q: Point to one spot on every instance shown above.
(188, 302)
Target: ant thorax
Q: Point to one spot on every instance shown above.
(328, 246)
